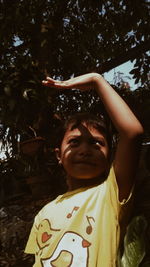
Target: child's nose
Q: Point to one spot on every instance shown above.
(85, 150)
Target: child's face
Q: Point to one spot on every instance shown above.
(83, 152)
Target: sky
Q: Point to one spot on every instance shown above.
(125, 69)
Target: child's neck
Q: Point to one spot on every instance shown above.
(76, 183)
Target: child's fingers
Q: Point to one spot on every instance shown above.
(48, 82)
(50, 79)
(55, 83)
(61, 84)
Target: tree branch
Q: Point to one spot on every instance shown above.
(124, 57)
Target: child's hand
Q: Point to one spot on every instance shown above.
(83, 82)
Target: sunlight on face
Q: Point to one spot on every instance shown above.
(84, 152)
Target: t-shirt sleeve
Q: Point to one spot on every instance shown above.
(125, 212)
(32, 246)
(114, 187)
(124, 207)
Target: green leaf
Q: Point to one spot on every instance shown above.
(134, 244)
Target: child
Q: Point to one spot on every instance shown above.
(81, 228)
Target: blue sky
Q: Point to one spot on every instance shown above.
(125, 69)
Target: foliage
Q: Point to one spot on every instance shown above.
(134, 243)
(16, 221)
(60, 39)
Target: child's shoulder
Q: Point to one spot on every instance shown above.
(48, 206)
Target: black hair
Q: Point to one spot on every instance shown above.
(97, 121)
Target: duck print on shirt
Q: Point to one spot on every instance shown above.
(45, 234)
(72, 250)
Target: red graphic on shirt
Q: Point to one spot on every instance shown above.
(45, 237)
(69, 215)
(45, 234)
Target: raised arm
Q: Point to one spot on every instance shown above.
(129, 128)
(130, 131)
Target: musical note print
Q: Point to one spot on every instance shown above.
(89, 228)
(69, 215)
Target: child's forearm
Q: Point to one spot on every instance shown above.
(121, 115)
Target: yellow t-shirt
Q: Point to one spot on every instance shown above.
(79, 228)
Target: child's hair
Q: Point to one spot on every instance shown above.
(96, 121)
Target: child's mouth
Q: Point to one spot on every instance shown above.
(85, 163)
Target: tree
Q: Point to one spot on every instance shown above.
(62, 39)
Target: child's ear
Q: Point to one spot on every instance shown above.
(58, 154)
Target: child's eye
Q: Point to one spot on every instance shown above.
(73, 141)
(98, 142)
